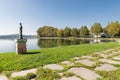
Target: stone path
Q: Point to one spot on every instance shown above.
(109, 61)
(82, 68)
(87, 57)
(70, 78)
(2, 77)
(68, 63)
(86, 62)
(85, 73)
(23, 73)
(106, 67)
(53, 67)
(117, 58)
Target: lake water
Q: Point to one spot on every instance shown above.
(8, 45)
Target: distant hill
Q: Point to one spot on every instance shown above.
(16, 36)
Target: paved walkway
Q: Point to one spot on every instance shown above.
(2, 77)
(85, 73)
(82, 68)
(23, 73)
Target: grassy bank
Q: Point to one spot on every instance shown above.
(36, 58)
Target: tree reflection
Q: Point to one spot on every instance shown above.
(47, 43)
(84, 41)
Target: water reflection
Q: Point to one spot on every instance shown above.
(101, 40)
(47, 43)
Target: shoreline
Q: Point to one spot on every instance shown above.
(76, 38)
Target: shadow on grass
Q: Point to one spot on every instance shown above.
(32, 52)
(29, 53)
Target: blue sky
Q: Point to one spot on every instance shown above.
(58, 13)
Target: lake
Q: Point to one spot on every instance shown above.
(8, 45)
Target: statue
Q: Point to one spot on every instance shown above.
(20, 35)
(21, 43)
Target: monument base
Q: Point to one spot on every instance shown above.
(21, 46)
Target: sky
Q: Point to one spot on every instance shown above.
(57, 13)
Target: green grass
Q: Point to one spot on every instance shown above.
(40, 57)
(111, 75)
(46, 74)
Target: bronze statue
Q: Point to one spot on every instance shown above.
(21, 35)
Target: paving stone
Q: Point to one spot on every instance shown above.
(106, 55)
(70, 78)
(109, 50)
(76, 58)
(113, 54)
(53, 67)
(106, 67)
(87, 57)
(118, 51)
(2, 77)
(103, 55)
(110, 61)
(84, 73)
(98, 53)
(23, 73)
(68, 63)
(61, 74)
(117, 57)
(86, 62)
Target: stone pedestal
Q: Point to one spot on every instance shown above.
(21, 46)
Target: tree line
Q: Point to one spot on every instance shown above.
(111, 30)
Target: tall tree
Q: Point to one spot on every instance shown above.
(55, 32)
(74, 32)
(46, 31)
(67, 32)
(96, 29)
(39, 32)
(60, 33)
(113, 28)
(84, 32)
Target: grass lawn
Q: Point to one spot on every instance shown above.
(40, 57)
(112, 75)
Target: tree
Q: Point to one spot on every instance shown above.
(60, 33)
(67, 32)
(74, 32)
(47, 31)
(39, 32)
(55, 32)
(96, 29)
(113, 28)
(84, 32)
